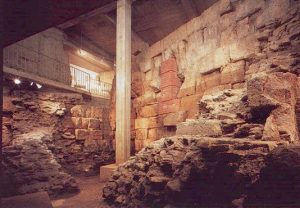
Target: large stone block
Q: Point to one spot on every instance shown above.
(271, 131)
(244, 48)
(208, 81)
(173, 119)
(141, 134)
(149, 111)
(233, 73)
(94, 123)
(169, 106)
(188, 87)
(200, 127)
(248, 8)
(154, 134)
(96, 112)
(169, 78)
(214, 60)
(85, 123)
(82, 134)
(76, 122)
(168, 93)
(78, 111)
(273, 11)
(96, 134)
(168, 65)
(190, 102)
(145, 123)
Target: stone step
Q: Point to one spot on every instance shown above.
(106, 172)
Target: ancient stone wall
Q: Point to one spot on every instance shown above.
(230, 43)
(64, 133)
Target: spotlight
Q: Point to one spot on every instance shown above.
(38, 86)
(82, 52)
(17, 81)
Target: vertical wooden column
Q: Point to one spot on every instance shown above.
(123, 81)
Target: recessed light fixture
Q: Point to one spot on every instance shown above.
(39, 86)
(17, 81)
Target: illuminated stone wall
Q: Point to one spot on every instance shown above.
(228, 44)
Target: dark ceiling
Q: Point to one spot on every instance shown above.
(22, 18)
(152, 20)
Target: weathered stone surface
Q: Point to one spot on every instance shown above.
(149, 111)
(252, 131)
(271, 131)
(279, 181)
(233, 72)
(174, 118)
(187, 170)
(94, 123)
(37, 170)
(75, 156)
(275, 94)
(201, 127)
(231, 43)
(231, 102)
(145, 123)
(82, 134)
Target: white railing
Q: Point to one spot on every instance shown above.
(27, 60)
(83, 80)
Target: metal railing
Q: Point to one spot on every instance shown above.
(83, 80)
(27, 60)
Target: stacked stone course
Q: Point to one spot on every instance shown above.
(50, 136)
(227, 45)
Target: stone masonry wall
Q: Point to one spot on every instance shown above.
(231, 42)
(58, 128)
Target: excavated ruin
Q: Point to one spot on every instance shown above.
(230, 151)
(215, 114)
(49, 137)
(240, 146)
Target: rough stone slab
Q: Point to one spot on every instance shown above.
(106, 172)
(200, 127)
(35, 200)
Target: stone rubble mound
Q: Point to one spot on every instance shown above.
(263, 110)
(31, 167)
(188, 171)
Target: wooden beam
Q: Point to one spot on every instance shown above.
(123, 81)
(190, 9)
(102, 10)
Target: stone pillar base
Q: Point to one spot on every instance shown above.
(106, 172)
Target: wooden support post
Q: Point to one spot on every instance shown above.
(123, 81)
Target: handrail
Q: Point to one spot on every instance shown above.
(25, 59)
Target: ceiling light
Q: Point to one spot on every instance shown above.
(39, 86)
(82, 52)
(17, 81)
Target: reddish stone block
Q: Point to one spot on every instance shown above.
(168, 93)
(94, 123)
(82, 134)
(96, 134)
(169, 106)
(168, 65)
(169, 79)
